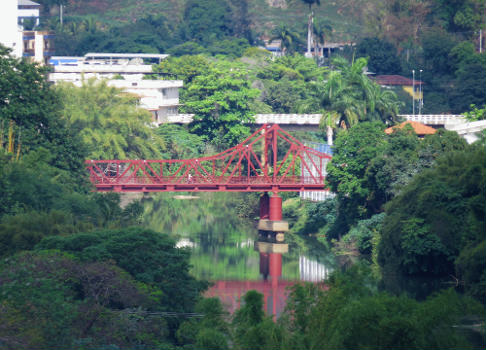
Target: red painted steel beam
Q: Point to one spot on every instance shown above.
(237, 169)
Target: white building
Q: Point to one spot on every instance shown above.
(38, 45)
(10, 32)
(127, 72)
(160, 97)
(28, 10)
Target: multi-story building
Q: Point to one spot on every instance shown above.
(28, 10)
(10, 32)
(38, 45)
(128, 72)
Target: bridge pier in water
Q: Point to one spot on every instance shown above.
(271, 227)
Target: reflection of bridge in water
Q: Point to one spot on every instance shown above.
(274, 289)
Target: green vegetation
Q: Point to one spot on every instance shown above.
(352, 314)
(109, 122)
(101, 285)
(77, 271)
(52, 300)
(438, 216)
(436, 37)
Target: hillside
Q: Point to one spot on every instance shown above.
(438, 37)
(344, 16)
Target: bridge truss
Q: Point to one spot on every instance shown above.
(268, 160)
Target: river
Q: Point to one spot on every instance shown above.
(223, 247)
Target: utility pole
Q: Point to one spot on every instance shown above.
(480, 40)
(413, 92)
(309, 34)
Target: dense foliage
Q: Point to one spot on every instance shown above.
(96, 295)
(50, 299)
(351, 314)
(148, 256)
(437, 217)
(109, 122)
(75, 274)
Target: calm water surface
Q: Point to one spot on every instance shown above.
(224, 250)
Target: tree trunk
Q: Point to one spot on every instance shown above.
(329, 135)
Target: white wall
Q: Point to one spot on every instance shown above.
(10, 35)
(39, 47)
(24, 14)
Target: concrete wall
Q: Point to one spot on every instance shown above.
(10, 35)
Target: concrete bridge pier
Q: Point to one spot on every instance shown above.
(271, 227)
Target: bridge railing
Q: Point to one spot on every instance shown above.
(269, 156)
(200, 180)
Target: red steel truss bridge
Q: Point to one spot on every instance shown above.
(268, 160)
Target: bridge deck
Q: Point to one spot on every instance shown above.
(242, 184)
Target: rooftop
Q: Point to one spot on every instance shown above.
(395, 80)
(419, 128)
(125, 55)
(27, 3)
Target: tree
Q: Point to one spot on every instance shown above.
(404, 156)
(351, 95)
(469, 86)
(460, 15)
(381, 55)
(437, 215)
(206, 21)
(296, 319)
(180, 142)
(49, 299)
(475, 113)
(329, 121)
(252, 329)
(231, 48)
(221, 101)
(211, 331)
(353, 151)
(310, 22)
(288, 38)
(28, 102)
(351, 314)
(109, 121)
(242, 20)
(148, 256)
(185, 68)
(321, 31)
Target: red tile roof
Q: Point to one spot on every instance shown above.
(419, 128)
(395, 80)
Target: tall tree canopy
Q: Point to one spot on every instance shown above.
(207, 21)
(109, 121)
(350, 96)
(29, 104)
(437, 217)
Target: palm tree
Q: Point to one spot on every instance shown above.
(286, 36)
(349, 96)
(329, 121)
(109, 121)
(321, 31)
(384, 105)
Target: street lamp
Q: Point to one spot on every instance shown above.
(413, 92)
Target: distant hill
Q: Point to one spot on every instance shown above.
(344, 16)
